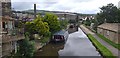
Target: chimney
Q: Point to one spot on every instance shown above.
(34, 11)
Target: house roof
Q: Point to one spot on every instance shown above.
(110, 26)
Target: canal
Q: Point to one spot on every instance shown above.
(77, 44)
(50, 49)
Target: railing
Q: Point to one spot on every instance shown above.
(13, 35)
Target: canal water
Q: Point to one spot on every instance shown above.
(77, 44)
(50, 49)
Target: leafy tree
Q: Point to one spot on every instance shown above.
(118, 15)
(100, 19)
(52, 21)
(18, 23)
(108, 13)
(72, 21)
(40, 26)
(26, 49)
(87, 22)
(63, 23)
(37, 26)
(30, 27)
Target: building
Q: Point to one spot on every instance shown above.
(9, 35)
(110, 31)
(65, 15)
(23, 16)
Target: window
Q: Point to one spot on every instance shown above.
(0, 27)
(6, 10)
(0, 9)
(3, 25)
(10, 24)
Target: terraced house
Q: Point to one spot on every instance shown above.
(9, 35)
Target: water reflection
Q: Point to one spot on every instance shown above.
(78, 44)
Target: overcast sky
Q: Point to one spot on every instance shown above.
(79, 6)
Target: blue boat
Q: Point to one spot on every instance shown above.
(61, 35)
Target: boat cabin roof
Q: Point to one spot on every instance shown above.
(61, 32)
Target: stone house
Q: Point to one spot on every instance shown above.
(110, 31)
(9, 35)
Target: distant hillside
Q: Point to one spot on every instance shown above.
(44, 11)
(38, 11)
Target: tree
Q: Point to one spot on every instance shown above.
(26, 49)
(87, 22)
(41, 26)
(118, 15)
(52, 21)
(30, 27)
(37, 26)
(108, 13)
(63, 23)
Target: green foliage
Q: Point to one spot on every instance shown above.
(71, 21)
(30, 27)
(26, 49)
(109, 14)
(52, 21)
(87, 22)
(44, 40)
(109, 41)
(47, 34)
(18, 24)
(37, 26)
(63, 24)
(40, 26)
(105, 52)
(118, 15)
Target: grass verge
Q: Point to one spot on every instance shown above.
(109, 41)
(106, 39)
(103, 50)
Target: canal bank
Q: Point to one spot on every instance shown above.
(51, 49)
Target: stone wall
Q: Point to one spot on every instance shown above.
(111, 35)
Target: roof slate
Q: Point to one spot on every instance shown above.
(110, 26)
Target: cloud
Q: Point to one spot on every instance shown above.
(79, 6)
(21, 5)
